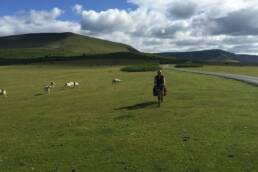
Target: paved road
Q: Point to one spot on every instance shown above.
(243, 78)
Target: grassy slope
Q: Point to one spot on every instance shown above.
(213, 55)
(206, 124)
(62, 44)
(245, 70)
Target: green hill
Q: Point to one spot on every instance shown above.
(51, 47)
(56, 44)
(214, 55)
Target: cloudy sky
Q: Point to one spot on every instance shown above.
(148, 25)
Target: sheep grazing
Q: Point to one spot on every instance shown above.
(3, 92)
(116, 80)
(48, 89)
(53, 84)
(76, 84)
(71, 84)
(68, 84)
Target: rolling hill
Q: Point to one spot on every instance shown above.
(56, 44)
(51, 47)
(42, 47)
(214, 55)
(245, 58)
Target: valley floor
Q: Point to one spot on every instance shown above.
(205, 124)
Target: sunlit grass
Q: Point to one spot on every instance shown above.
(205, 124)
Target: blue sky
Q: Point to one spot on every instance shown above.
(11, 7)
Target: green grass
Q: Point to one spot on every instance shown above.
(244, 70)
(206, 123)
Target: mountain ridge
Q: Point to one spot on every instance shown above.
(35, 45)
(68, 44)
(212, 55)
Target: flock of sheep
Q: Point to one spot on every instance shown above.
(70, 84)
(48, 88)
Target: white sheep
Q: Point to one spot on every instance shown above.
(76, 84)
(116, 80)
(3, 92)
(53, 84)
(48, 89)
(71, 84)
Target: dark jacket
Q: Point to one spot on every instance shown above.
(159, 80)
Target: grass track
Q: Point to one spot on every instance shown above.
(206, 123)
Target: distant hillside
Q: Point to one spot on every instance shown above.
(205, 55)
(215, 55)
(44, 47)
(247, 58)
(56, 44)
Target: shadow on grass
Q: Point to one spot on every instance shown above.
(138, 106)
(39, 94)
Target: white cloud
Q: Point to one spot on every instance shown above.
(155, 25)
(106, 21)
(175, 25)
(77, 8)
(36, 22)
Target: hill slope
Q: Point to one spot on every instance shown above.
(205, 55)
(214, 55)
(56, 44)
(247, 58)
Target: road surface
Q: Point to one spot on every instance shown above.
(243, 78)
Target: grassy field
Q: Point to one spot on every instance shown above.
(244, 70)
(206, 123)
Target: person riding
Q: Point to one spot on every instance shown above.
(160, 82)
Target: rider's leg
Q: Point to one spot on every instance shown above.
(159, 100)
(162, 93)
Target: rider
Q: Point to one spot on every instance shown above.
(160, 82)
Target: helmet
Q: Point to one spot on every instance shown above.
(159, 72)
